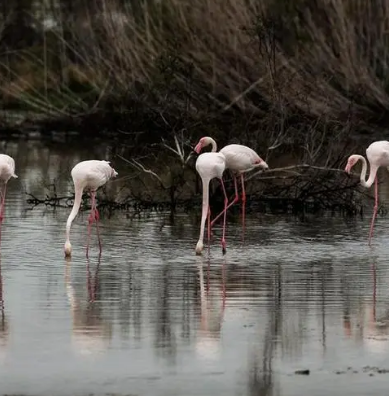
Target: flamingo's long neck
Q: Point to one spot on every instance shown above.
(75, 209)
(214, 145)
(204, 214)
(373, 172)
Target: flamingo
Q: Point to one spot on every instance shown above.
(89, 175)
(7, 170)
(378, 155)
(209, 166)
(239, 159)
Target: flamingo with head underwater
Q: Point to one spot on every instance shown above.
(89, 175)
(378, 155)
(7, 170)
(239, 159)
(210, 166)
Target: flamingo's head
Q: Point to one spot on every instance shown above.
(352, 160)
(203, 142)
(68, 249)
(199, 248)
(261, 163)
(113, 173)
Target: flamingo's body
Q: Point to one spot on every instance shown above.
(239, 159)
(87, 175)
(242, 159)
(7, 170)
(210, 166)
(378, 155)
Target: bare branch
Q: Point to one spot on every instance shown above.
(138, 165)
(302, 166)
(170, 148)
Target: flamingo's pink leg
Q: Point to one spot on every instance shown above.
(235, 200)
(95, 217)
(243, 204)
(375, 209)
(224, 217)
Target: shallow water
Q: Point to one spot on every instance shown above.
(151, 318)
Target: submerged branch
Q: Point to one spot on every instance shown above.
(312, 189)
(291, 168)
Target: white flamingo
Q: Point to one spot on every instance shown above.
(88, 175)
(378, 155)
(239, 159)
(7, 170)
(209, 166)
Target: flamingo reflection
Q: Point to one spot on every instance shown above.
(92, 281)
(90, 333)
(376, 337)
(372, 330)
(4, 335)
(212, 306)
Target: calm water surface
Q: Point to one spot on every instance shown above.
(151, 318)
